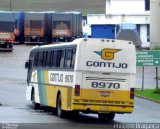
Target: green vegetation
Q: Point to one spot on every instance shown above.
(156, 47)
(153, 94)
(84, 6)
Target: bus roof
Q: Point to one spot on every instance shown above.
(80, 41)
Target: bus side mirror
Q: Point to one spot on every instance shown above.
(27, 64)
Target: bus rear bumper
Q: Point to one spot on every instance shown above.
(31, 43)
(6, 49)
(103, 108)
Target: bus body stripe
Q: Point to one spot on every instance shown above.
(44, 88)
(41, 87)
(46, 79)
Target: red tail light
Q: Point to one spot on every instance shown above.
(132, 93)
(11, 41)
(77, 90)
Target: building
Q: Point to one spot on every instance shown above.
(127, 6)
(155, 23)
(117, 12)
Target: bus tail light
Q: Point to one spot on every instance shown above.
(132, 93)
(11, 41)
(77, 90)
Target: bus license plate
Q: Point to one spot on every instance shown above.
(2, 42)
(104, 108)
(104, 94)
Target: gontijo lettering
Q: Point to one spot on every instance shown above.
(106, 64)
(61, 77)
(107, 54)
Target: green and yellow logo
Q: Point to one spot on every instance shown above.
(34, 76)
(107, 54)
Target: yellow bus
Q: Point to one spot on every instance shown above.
(86, 75)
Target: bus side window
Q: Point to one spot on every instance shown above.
(45, 53)
(35, 59)
(68, 58)
(40, 59)
(48, 59)
(73, 57)
(60, 58)
(53, 58)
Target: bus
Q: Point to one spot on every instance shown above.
(86, 75)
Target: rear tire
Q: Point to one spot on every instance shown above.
(56, 39)
(102, 116)
(60, 112)
(34, 104)
(75, 114)
(110, 117)
(106, 117)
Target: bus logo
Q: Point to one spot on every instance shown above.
(34, 76)
(107, 54)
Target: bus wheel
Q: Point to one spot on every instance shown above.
(56, 39)
(75, 114)
(66, 40)
(110, 117)
(102, 116)
(60, 112)
(34, 104)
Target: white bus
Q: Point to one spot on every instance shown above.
(87, 75)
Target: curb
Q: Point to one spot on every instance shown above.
(147, 98)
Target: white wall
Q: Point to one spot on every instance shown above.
(108, 6)
(143, 32)
(125, 6)
(118, 18)
(155, 23)
(143, 35)
(86, 28)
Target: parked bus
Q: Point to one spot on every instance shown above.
(87, 75)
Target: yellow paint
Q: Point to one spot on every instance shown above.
(102, 109)
(49, 89)
(115, 101)
(52, 92)
(114, 95)
(46, 77)
(50, 95)
(108, 54)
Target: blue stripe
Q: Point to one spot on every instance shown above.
(41, 87)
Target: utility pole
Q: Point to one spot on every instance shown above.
(10, 5)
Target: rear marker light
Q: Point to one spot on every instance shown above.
(77, 90)
(132, 93)
(10, 41)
